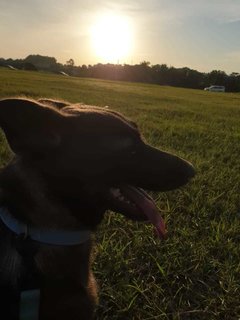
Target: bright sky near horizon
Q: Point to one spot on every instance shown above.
(203, 35)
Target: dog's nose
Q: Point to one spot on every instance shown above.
(190, 170)
(180, 170)
(161, 171)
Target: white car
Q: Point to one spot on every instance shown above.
(215, 89)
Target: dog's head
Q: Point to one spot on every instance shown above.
(92, 159)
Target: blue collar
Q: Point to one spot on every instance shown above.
(45, 236)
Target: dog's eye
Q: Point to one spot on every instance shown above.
(133, 152)
(117, 143)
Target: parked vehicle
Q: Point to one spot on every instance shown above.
(215, 89)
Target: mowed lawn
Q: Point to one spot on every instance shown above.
(195, 273)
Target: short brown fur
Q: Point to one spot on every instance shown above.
(67, 158)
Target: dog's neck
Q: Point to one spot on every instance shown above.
(44, 236)
(32, 203)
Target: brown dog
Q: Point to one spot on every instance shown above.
(70, 166)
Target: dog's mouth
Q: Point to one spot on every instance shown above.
(136, 204)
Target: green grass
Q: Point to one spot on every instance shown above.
(195, 274)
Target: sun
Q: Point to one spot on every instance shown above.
(112, 38)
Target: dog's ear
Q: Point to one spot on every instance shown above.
(29, 126)
(54, 103)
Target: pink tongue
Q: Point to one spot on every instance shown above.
(148, 207)
(154, 216)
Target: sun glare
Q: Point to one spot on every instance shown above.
(112, 38)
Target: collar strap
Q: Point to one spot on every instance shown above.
(45, 236)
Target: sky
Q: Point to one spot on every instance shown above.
(200, 34)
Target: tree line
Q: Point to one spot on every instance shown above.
(143, 72)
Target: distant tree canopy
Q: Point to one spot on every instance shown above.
(41, 62)
(70, 63)
(143, 72)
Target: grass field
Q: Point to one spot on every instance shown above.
(195, 274)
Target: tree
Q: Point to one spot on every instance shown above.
(70, 63)
(41, 62)
(217, 77)
(29, 67)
